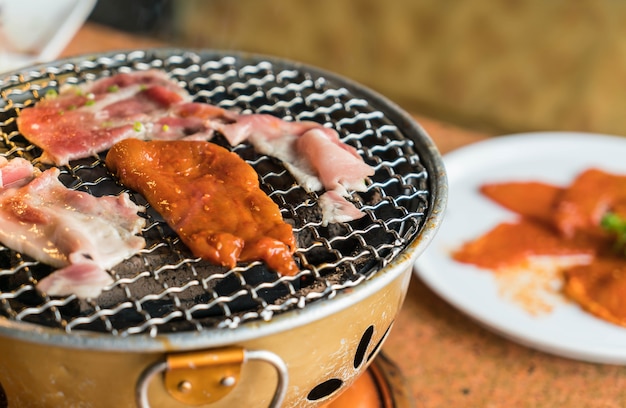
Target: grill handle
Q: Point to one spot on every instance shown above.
(222, 364)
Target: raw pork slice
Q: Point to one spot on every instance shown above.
(336, 208)
(83, 120)
(73, 231)
(211, 199)
(312, 153)
(14, 173)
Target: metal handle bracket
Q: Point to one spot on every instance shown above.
(204, 377)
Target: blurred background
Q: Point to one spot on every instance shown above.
(501, 66)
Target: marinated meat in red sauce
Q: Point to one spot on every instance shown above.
(583, 203)
(211, 199)
(600, 287)
(514, 196)
(561, 223)
(66, 229)
(514, 244)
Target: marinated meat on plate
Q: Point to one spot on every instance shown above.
(211, 199)
(73, 231)
(578, 230)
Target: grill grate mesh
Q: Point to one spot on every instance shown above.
(163, 289)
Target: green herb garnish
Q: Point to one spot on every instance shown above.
(51, 93)
(616, 225)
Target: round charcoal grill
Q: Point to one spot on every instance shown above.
(164, 299)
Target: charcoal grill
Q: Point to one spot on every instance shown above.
(291, 340)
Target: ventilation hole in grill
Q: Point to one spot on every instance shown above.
(363, 344)
(380, 342)
(325, 389)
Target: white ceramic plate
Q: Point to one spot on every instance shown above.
(552, 157)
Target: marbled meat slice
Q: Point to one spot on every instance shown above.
(83, 120)
(75, 232)
(211, 199)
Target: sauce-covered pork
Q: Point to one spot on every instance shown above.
(210, 197)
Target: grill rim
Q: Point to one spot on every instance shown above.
(215, 337)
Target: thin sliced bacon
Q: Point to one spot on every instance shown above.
(15, 172)
(312, 153)
(69, 230)
(84, 279)
(211, 199)
(335, 208)
(338, 168)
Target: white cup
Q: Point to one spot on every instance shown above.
(33, 31)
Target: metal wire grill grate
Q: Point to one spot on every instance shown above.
(163, 289)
